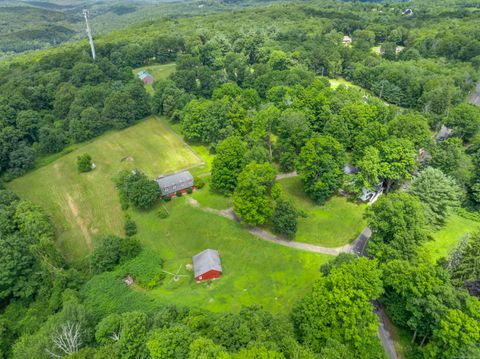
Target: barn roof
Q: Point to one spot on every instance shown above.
(206, 261)
(144, 74)
(176, 182)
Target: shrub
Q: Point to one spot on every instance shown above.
(189, 190)
(105, 254)
(285, 218)
(130, 226)
(129, 248)
(167, 198)
(111, 250)
(199, 183)
(84, 163)
(179, 193)
(162, 213)
(146, 270)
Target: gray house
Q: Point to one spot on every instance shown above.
(169, 185)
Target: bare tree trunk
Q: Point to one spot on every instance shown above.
(414, 336)
(423, 340)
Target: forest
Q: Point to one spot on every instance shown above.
(254, 88)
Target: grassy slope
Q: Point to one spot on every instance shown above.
(254, 271)
(334, 83)
(334, 224)
(446, 238)
(82, 205)
(159, 72)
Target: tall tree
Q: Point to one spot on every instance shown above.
(438, 192)
(228, 164)
(339, 308)
(465, 121)
(252, 199)
(398, 225)
(320, 165)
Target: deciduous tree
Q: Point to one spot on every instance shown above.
(320, 165)
(252, 199)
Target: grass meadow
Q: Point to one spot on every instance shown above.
(84, 205)
(445, 239)
(254, 271)
(336, 223)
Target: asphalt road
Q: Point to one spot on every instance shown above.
(475, 97)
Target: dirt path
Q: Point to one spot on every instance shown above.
(356, 246)
(79, 221)
(281, 176)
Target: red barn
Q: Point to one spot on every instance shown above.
(145, 77)
(207, 266)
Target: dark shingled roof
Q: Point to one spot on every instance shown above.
(176, 182)
(206, 261)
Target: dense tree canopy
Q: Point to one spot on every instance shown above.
(320, 165)
(252, 200)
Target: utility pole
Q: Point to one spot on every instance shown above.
(89, 33)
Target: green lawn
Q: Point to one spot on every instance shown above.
(334, 224)
(83, 205)
(334, 83)
(159, 72)
(254, 271)
(446, 238)
(207, 198)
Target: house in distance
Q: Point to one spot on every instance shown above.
(169, 185)
(207, 265)
(146, 77)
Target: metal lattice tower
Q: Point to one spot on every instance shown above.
(89, 33)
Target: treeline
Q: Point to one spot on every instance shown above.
(63, 99)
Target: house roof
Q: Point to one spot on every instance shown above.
(144, 74)
(175, 182)
(350, 169)
(206, 261)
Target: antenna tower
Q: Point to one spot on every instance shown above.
(89, 33)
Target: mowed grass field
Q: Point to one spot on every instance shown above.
(334, 83)
(254, 271)
(446, 238)
(336, 223)
(159, 72)
(87, 204)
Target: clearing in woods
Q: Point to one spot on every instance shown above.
(83, 205)
(159, 72)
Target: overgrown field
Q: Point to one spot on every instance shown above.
(83, 205)
(334, 224)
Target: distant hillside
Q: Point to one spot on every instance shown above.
(33, 25)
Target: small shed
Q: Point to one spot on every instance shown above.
(169, 185)
(145, 77)
(207, 265)
(347, 40)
